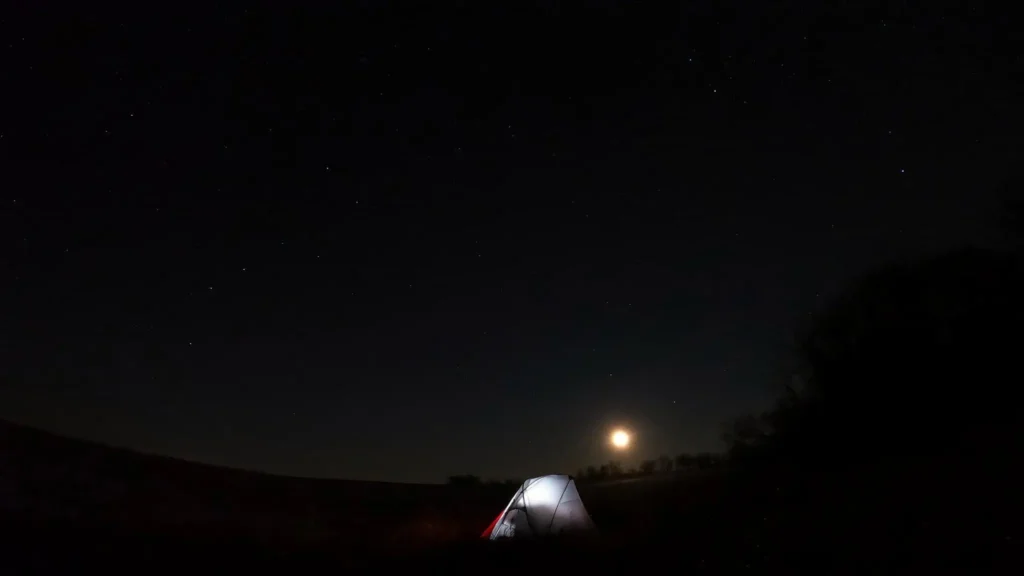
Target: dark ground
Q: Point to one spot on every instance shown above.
(68, 506)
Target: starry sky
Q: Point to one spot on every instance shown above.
(394, 243)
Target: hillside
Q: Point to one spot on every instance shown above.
(51, 480)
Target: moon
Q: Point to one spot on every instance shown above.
(620, 439)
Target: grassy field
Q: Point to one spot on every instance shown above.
(66, 504)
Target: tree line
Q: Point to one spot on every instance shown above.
(663, 464)
(894, 436)
(613, 469)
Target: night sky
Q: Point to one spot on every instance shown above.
(382, 243)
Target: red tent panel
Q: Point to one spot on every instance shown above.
(487, 533)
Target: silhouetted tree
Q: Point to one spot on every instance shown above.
(614, 468)
(664, 463)
(648, 466)
(918, 334)
(684, 461)
(511, 483)
(705, 460)
(746, 436)
(1011, 213)
(464, 480)
(899, 424)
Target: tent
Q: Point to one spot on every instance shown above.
(543, 506)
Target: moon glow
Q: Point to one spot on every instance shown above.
(620, 439)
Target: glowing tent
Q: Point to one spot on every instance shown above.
(544, 506)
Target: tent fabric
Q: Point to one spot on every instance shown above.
(543, 506)
(487, 531)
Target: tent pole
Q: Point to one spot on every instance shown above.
(559, 503)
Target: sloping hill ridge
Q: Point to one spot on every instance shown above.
(45, 478)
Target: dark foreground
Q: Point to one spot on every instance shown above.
(68, 506)
(67, 553)
(650, 529)
(638, 530)
(63, 552)
(72, 507)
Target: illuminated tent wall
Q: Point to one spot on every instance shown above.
(544, 506)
